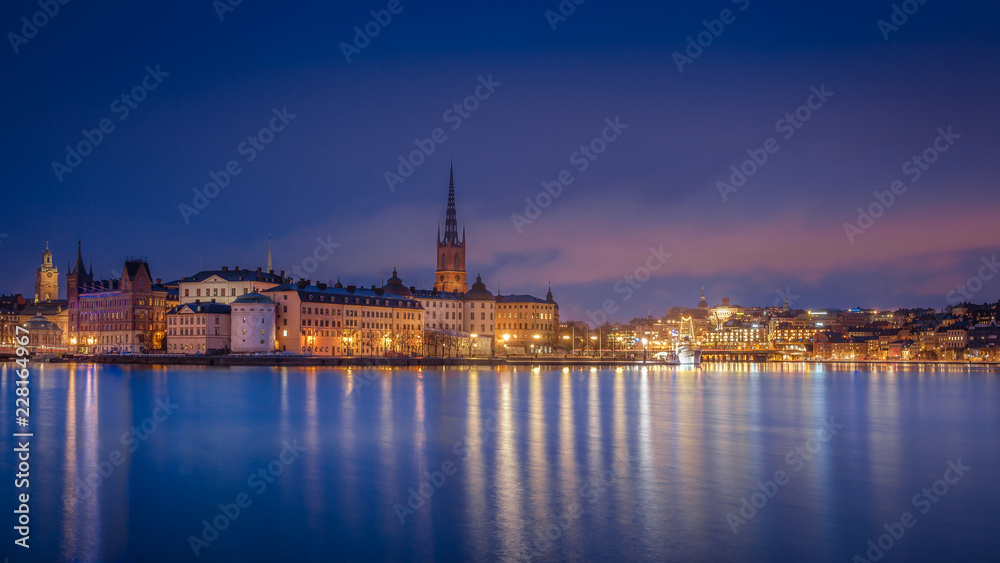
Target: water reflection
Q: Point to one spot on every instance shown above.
(530, 441)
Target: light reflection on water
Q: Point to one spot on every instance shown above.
(678, 449)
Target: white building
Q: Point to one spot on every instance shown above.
(225, 285)
(253, 324)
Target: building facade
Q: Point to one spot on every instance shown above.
(225, 285)
(346, 321)
(253, 324)
(198, 328)
(526, 323)
(116, 316)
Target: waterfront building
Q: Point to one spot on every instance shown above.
(345, 321)
(112, 316)
(225, 285)
(452, 314)
(984, 341)
(736, 335)
(526, 323)
(43, 334)
(10, 316)
(198, 328)
(253, 323)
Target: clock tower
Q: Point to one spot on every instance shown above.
(46, 279)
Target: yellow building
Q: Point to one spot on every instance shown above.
(346, 321)
(526, 324)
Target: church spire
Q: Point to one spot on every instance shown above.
(451, 216)
(270, 269)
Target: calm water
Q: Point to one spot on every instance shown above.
(612, 465)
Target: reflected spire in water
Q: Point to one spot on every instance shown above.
(474, 465)
(538, 466)
(508, 481)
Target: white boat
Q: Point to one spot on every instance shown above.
(687, 350)
(688, 354)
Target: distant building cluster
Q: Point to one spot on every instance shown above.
(726, 331)
(255, 311)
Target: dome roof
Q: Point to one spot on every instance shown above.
(478, 292)
(395, 286)
(40, 323)
(253, 298)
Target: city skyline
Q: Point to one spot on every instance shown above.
(875, 98)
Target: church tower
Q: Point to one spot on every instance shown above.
(450, 274)
(46, 278)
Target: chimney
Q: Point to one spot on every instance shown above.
(301, 284)
(159, 281)
(225, 268)
(321, 286)
(351, 288)
(282, 275)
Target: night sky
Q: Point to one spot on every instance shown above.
(323, 175)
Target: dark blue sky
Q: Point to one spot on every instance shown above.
(323, 175)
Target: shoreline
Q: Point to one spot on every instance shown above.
(306, 361)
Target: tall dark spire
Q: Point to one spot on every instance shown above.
(451, 217)
(79, 268)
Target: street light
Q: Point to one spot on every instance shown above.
(472, 344)
(506, 338)
(536, 337)
(644, 342)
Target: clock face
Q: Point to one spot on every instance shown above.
(48, 275)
